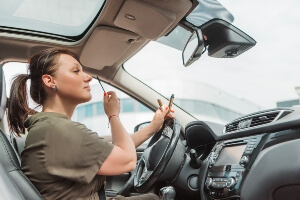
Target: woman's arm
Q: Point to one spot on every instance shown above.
(123, 156)
(142, 135)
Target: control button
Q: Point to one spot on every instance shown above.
(193, 182)
(230, 183)
(214, 185)
(228, 168)
(244, 160)
(208, 182)
(248, 151)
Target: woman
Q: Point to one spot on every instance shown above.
(62, 158)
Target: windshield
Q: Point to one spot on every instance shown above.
(222, 89)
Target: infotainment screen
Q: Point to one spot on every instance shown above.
(230, 155)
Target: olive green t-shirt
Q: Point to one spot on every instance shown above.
(62, 157)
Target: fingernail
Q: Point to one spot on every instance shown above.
(105, 94)
(167, 108)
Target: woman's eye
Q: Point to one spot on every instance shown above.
(76, 71)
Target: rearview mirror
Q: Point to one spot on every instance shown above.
(193, 48)
(225, 40)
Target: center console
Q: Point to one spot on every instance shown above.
(228, 163)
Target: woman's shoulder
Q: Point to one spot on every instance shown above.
(53, 121)
(44, 118)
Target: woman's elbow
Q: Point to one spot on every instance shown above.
(132, 165)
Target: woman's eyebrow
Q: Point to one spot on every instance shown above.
(77, 65)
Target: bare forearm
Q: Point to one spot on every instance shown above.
(142, 135)
(120, 137)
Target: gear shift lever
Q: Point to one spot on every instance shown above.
(167, 193)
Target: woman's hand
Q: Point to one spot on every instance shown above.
(159, 117)
(111, 104)
(145, 133)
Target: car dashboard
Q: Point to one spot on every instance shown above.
(254, 157)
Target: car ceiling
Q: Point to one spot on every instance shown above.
(121, 29)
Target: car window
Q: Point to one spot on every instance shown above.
(67, 18)
(92, 113)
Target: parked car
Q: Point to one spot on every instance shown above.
(235, 133)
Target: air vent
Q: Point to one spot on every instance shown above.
(253, 120)
(263, 119)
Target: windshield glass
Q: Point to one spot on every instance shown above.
(222, 89)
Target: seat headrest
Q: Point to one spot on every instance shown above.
(3, 96)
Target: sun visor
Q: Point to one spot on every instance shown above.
(105, 46)
(144, 19)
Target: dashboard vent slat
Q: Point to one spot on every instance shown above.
(252, 121)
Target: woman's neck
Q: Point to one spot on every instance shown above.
(58, 106)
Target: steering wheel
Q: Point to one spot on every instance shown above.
(157, 155)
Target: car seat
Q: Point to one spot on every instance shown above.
(14, 183)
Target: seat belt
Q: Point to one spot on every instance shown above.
(101, 193)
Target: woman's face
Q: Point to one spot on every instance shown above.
(71, 82)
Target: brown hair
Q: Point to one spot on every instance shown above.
(43, 62)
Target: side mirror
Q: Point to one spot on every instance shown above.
(193, 48)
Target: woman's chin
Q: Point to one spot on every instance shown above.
(84, 99)
(89, 98)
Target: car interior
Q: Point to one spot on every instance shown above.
(255, 156)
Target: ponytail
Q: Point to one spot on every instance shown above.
(18, 109)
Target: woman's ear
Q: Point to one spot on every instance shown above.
(48, 80)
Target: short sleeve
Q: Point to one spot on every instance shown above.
(75, 152)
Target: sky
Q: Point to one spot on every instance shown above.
(264, 75)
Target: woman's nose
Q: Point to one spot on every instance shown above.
(87, 77)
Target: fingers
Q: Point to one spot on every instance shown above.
(111, 103)
(165, 111)
(110, 95)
